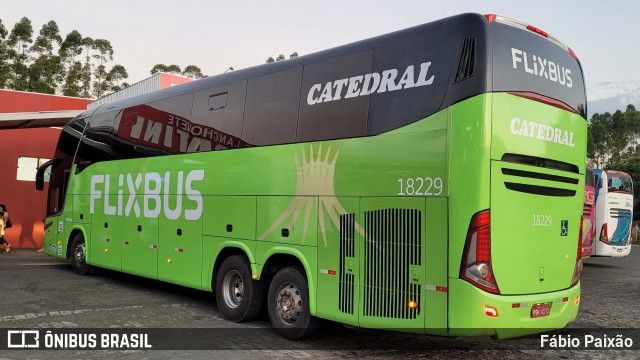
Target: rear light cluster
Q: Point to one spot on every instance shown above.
(603, 234)
(578, 268)
(476, 259)
(491, 18)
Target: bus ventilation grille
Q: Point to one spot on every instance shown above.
(620, 214)
(392, 252)
(347, 280)
(587, 209)
(467, 62)
(540, 189)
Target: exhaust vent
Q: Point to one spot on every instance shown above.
(347, 280)
(467, 62)
(392, 261)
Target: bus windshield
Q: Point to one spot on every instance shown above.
(619, 182)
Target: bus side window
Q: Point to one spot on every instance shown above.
(271, 109)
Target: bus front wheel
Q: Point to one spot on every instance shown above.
(239, 297)
(78, 255)
(288, 303)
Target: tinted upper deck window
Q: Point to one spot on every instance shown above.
(524, 61)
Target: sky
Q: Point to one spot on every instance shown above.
(215, 35)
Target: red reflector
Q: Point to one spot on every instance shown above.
(441, 288)
(572, 53)
(331, 272)
(491, 18)
(537, 31)
(515, 306)
(490, 311)
(565, 299)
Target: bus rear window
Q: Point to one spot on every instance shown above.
(590, 180)
(526, 62)
(619, 182)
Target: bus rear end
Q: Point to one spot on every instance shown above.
(522, 255)
(588, 229)
(616, 210)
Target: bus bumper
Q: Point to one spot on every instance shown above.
(469, 308)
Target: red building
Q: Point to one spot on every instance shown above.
(29, 128)
(30, 125)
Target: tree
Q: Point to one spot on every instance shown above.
(169, 69)
(69, 49)
(19, 39)
(46, 71)
(71, 85)
(5, 68)
(115, 76)
(192, 71)
(281, 57)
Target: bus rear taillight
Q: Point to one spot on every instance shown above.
(476, 258)
(537, 31)
(578, 268)
(603, 234)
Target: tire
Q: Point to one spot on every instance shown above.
(78, 255)
(239, 297)
(288, 303)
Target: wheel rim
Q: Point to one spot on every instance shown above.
(289, 303)
(232, 289)
(79, 254)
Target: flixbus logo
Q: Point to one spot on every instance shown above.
(541, 67)
(159, 194)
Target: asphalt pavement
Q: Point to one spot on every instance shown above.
(40, 292)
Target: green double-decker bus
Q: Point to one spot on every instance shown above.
(428, 180)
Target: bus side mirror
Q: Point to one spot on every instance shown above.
(40, 173)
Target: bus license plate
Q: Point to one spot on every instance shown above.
(540, 310)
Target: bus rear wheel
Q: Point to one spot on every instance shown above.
(79, 255)
(288, 304)
(239, 298)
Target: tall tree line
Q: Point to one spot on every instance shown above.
(613, 143)
(48, 63)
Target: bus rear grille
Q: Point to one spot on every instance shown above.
(347, 280)
(540, 189)
(540, 162)
(620, 213)
(392, 252)
(466, 66)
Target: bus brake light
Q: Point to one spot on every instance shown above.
(538, 31)
(604, 234)
(577, 270)
(491, 17)
(476, 258)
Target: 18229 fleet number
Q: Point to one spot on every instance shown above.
(420, 186)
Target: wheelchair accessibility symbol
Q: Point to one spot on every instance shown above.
(564, 227)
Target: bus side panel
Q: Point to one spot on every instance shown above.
(469, 169)
(437, 242)
(230, 216)
(104, 248)
(140, 246)
(288, 220)
(180, 251)
(338, 264)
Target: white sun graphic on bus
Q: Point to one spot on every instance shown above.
(314, 182)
